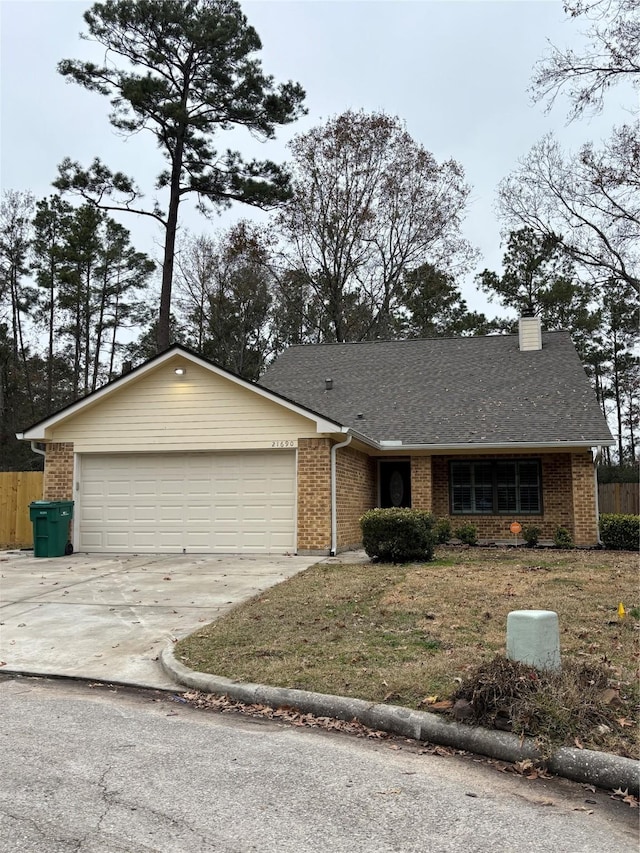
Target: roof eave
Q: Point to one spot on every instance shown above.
(475, 446)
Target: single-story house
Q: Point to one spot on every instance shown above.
(182, 456)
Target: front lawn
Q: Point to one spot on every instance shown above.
(408, 634)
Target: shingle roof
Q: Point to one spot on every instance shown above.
(447, 391)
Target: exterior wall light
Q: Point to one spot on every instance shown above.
(180, 371)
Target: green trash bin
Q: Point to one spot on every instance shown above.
(51, 521)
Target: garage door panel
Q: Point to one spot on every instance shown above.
(116, 515)
(144, 488)
(215, 502)
(168, 514)
(118, 488)
(199, 514)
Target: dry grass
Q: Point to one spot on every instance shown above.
(401, 634)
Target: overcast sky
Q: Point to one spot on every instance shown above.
(456, 72)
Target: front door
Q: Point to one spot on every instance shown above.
(395, 483)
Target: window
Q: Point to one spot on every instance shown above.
(496, 487)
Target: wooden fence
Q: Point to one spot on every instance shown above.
(17, 490)
(619, 497)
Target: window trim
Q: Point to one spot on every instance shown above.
(494, 462)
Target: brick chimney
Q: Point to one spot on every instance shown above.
(529, 331)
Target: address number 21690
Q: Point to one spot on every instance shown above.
(283, 443)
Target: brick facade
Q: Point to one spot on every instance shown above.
(585, 530)
(568, 498)
(314, 495)
(356, 491)
(58, 472)
(421, 482)
(567, 483)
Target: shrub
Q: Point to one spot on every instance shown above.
(531, 534)
(398, 535)
(562, 538)
(620, 532)
(467, 533)
(442, 530)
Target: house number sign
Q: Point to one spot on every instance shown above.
(284, 443)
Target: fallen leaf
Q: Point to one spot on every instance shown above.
(625, 721)
(620, 793)
(578, 743)
(443, 705)
(609, 696)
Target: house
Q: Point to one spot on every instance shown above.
(180, 455)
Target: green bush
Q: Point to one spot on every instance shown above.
(467, 533)
(562, 538)
(531, 535)
(619, 473)
(442, 531)
(398, 535)
(620, 532)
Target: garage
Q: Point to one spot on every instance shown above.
(220, 502)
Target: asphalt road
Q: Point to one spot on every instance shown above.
(109, 770)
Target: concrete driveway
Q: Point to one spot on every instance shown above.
(108, 617)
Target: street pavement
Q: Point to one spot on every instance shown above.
(114, 770)
(108, 617)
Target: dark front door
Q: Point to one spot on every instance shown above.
(395, 483)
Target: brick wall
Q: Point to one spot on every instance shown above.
(567, 481)
(584, 504)
(356, 490)
(314, 495)
(58, 472)
(421, 483)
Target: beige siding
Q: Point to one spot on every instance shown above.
(199, 411)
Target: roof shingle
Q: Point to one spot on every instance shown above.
(446, 391)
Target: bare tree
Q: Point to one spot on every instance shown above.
(610, 55)
(590, 200)
(16, 295)
(368, 205)
(224, 293)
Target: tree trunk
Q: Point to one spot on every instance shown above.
(99, 327)
(116, 317)
(19, 338)
(164, 319)
(52, 293)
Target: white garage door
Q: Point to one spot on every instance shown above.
(194, 502)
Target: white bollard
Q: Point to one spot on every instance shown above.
(533, 637)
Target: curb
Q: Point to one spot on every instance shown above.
(581, 765)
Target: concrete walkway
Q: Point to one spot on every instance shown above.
(108, 617)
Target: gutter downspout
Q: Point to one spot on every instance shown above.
(596, 456)
(37, 449)
(334, 511)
